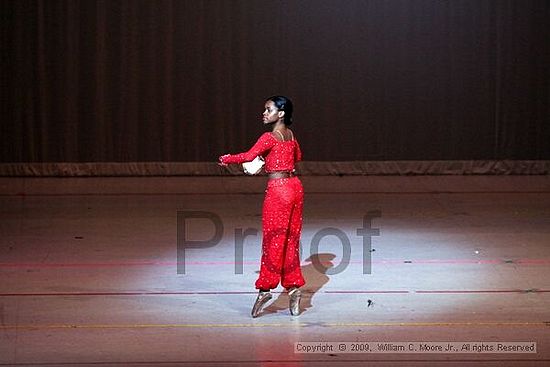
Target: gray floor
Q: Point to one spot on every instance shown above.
(90, 277)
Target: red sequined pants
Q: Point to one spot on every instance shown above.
(282, 227)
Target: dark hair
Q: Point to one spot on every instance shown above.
(283, 104)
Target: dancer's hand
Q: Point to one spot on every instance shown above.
(222, 160)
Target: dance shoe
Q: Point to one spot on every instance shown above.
(263, 297)
(294, 295)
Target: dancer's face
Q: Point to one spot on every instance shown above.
(271, 113)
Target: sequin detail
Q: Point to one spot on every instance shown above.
(282, 228)
(281, 213)
(279, 155)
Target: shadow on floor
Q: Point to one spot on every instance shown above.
(315, 275)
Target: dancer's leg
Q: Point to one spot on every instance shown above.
(292, 273)
(277, 208)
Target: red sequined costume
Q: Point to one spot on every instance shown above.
(281, 213)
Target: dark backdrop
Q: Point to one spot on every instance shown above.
(159, 80)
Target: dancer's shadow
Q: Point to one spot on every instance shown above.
(315, 276)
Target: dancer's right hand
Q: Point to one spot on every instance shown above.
(222, 160)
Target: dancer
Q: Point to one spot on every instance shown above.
(282, 207)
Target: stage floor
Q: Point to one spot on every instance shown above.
(90, 274)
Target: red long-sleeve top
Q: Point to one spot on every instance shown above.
(279, 155)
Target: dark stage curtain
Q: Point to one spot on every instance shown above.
(185, 81)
